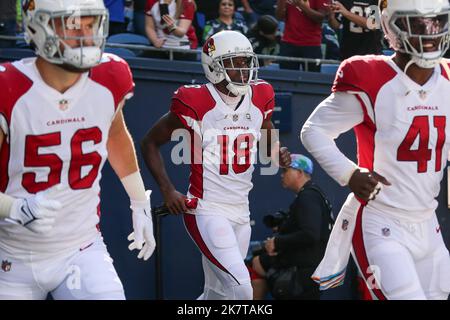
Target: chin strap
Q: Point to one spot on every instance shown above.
(83, 57)
(409, 64)
(430, 64)
(238, 90)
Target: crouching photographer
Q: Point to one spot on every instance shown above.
(300, 237)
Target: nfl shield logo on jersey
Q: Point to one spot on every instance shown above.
(63, 105)
(344, 225)
(386, 232)
(6, 266)
(235, 117)
(423, 94)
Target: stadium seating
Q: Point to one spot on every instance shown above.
(121, 52)
(329, 68)
(130, 38)
(272, 66)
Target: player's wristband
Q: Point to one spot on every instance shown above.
(6, 203)
(134, 186)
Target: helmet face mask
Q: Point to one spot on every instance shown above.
(228, 56)
(419, 25)
(424, 36)
(74, 38)
(416, 32)
(239, 70)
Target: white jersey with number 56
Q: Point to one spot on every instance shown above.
(54, 138)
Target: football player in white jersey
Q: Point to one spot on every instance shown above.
(398, 107)
(224, 119)
(61, 119)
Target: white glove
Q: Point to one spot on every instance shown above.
(142, 235)
(38, 212)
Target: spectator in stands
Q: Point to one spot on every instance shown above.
(129, 16)
(265, 37)
(330, 43)
(299, 244)
(225, 21)
(253, 9)
(303, 31)
(361, 34)
(172, 30)
(8, 22)
(116, 10)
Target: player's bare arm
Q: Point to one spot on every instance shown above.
(157, 136)
(121, 153)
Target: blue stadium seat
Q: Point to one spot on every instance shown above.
(388, 52)
(121, 52)
(128, 38)
(329, 68)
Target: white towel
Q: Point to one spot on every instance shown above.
(331, 271)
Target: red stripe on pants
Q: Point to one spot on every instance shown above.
(361, 254)
(192, 228)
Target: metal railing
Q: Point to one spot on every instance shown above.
(172, 51)
(158, 214)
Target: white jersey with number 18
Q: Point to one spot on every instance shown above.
(224, 142)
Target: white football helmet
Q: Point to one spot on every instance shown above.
(402, 20)
(39, 20)
(227, 45)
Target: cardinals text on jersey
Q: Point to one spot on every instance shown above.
(54, 138)
(403, 135)
(228, 139)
